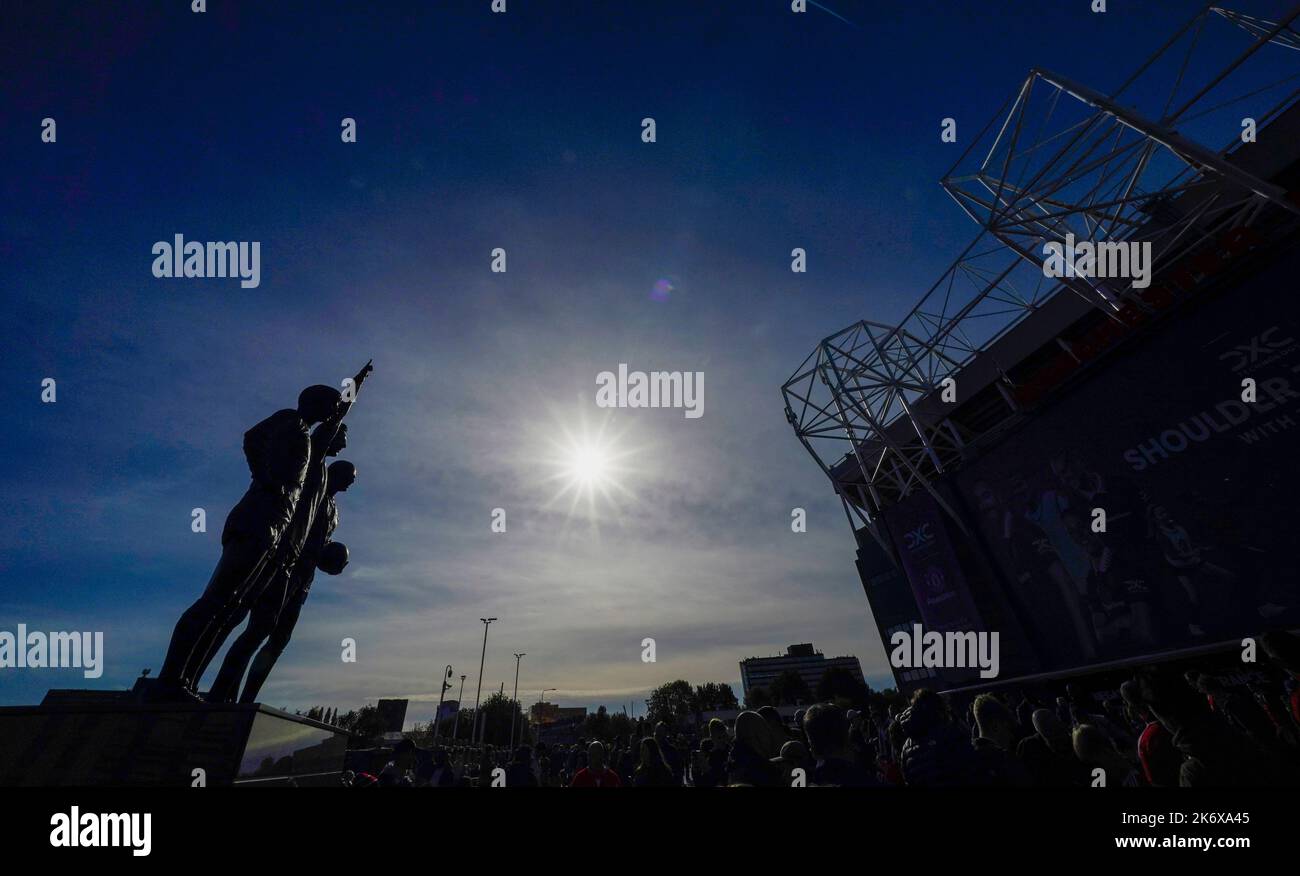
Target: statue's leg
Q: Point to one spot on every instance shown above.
(261, 624)
(227, 619)
(264, 662)
(239, 560)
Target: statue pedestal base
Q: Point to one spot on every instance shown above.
(106, 738)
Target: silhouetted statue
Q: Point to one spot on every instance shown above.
(276, 614)
(268, 598)
(278, 451)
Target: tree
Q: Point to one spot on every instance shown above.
(711, 697)
(620, 726)
(789, 689)
(497, 711)
(364, 725)
(840, 686)
(673, 703)
(598, 725)
(757, 698)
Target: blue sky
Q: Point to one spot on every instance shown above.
(475, 131)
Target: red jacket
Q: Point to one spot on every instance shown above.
(586, 778)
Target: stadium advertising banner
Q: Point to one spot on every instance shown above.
(1197, 483)
(920, 536)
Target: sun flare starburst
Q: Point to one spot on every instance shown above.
(590, 467)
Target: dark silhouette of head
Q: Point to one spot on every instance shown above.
(319, 402)
(339, 476)
(1049, 726)
(1284, 648)
(773, 718)
(995, 721)
(827, 730)
(333, 558)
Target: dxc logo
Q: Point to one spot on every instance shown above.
(1259, 346)
(918, 537)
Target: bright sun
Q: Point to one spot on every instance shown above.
(589, 469)
(588, 464)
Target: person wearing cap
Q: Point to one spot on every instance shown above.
(794, 756)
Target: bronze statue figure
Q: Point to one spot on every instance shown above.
(276, 614)
(266, 599)
(279, 455)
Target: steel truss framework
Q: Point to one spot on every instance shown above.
(1063, 161)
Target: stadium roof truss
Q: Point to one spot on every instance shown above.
(1059, 160)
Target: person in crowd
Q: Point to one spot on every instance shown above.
(1083, 710)
(652, 770)
(595, 774)
(750, 761)
(1159, 760)
(711, 759)
(485, 767)
(520, 772)
(628, 760)
(1242, 712)
(436, 772)
(1049, 753)
(400, 771)
(1214, 755)
(1284, 649)
(936, 753)
(827, 729)
(674, 757)
(1109, 768)
(794, 756)
(889, 766)
(995, 744)
(773, 719)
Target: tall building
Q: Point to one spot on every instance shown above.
(811, 665)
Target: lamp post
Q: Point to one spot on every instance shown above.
(514, 702)
(460, 704)
(487, 622)
(437, 716)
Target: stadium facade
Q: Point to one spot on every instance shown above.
(973, 443)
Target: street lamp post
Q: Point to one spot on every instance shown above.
(514, 702)
(460, 704)
(487, 622)
(437, 716)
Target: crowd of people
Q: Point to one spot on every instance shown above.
(1160, 728)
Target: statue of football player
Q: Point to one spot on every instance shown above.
(269, 594)
(278, 451)
(318, 553)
